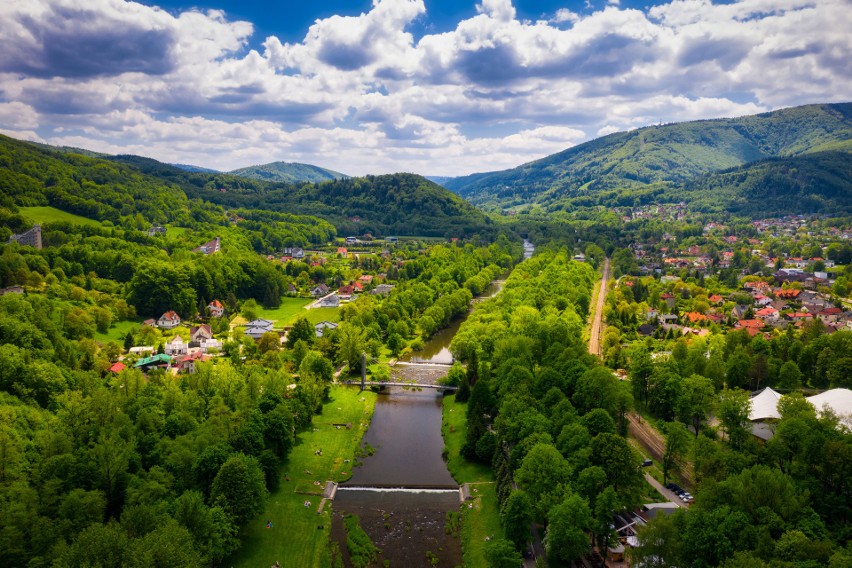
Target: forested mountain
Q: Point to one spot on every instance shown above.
(119, 188)
(288, 172)
(679, 156)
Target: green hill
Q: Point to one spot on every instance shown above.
(393, 204)
(671, 155)
(136, 191)
(288, 172)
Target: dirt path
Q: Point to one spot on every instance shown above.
(597, 317)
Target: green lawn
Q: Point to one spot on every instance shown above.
(175, 231)
(480, 520)
(453, 427)
(289, 311)
(54, 215)
(299, 536)
(117, 331)
(317, 315)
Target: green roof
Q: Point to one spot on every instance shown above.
(153, 359)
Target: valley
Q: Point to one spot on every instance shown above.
(181, 357)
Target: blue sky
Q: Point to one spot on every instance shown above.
(434, 87)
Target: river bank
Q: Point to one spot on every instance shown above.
(299, 535)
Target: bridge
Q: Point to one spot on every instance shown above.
(363, 384)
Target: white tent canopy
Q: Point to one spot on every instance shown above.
(764, 406)
(838, 400)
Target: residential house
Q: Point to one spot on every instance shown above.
(186, 363)
(342, 251)
(668, 318)
(669, 299)
(366, 279)
(176, 346)
(216, 309)
(739, 311)
(382, 289)
(767, 314)
(319, 290)
(762, 300)
(197, 333)
(694, 317)
(168, 320)
(651, 314)
(330, 301)
(788, 293)
(256, 328)
(346, 290)
(294, 252)
(716, 299)
(155, 230)
(117, 367)
(324, 325)
(829, 315)
(151, 322)
(209, 247)
(158, 361)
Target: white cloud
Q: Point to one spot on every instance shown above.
(359, 94)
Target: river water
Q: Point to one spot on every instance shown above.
(403, 492)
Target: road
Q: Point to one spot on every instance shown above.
(668, 494)
(597, 317)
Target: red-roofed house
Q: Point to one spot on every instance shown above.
(169, 320)
(694, 317)
(216, 309)
(117, 367)
(670, 299)
(831, 314)
(716, 299)
(762, 300)
(788, 294)
(342, 250)
(767, 314)
(749, 324)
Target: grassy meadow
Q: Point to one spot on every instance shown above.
(53, 215)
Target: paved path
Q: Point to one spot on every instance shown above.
(664, 492)
(597, 318)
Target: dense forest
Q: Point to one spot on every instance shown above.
(635, 167)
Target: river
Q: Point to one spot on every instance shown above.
(404, 492)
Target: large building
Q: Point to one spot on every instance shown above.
(31, 238)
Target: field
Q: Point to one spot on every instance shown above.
(292, 309)
(453, 427)
(117, 331)
(299, 536)
(53, 215)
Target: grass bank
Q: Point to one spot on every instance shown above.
(480, 521)
(453, 428)
(481, 515)
(299, 536)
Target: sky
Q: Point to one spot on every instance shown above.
(435, 87)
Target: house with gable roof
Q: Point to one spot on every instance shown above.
(169, 320)
(216, 309)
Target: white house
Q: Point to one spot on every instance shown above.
(176, 346)
(169, 320)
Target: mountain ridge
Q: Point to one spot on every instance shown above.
(288, 172)
(670, 154)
